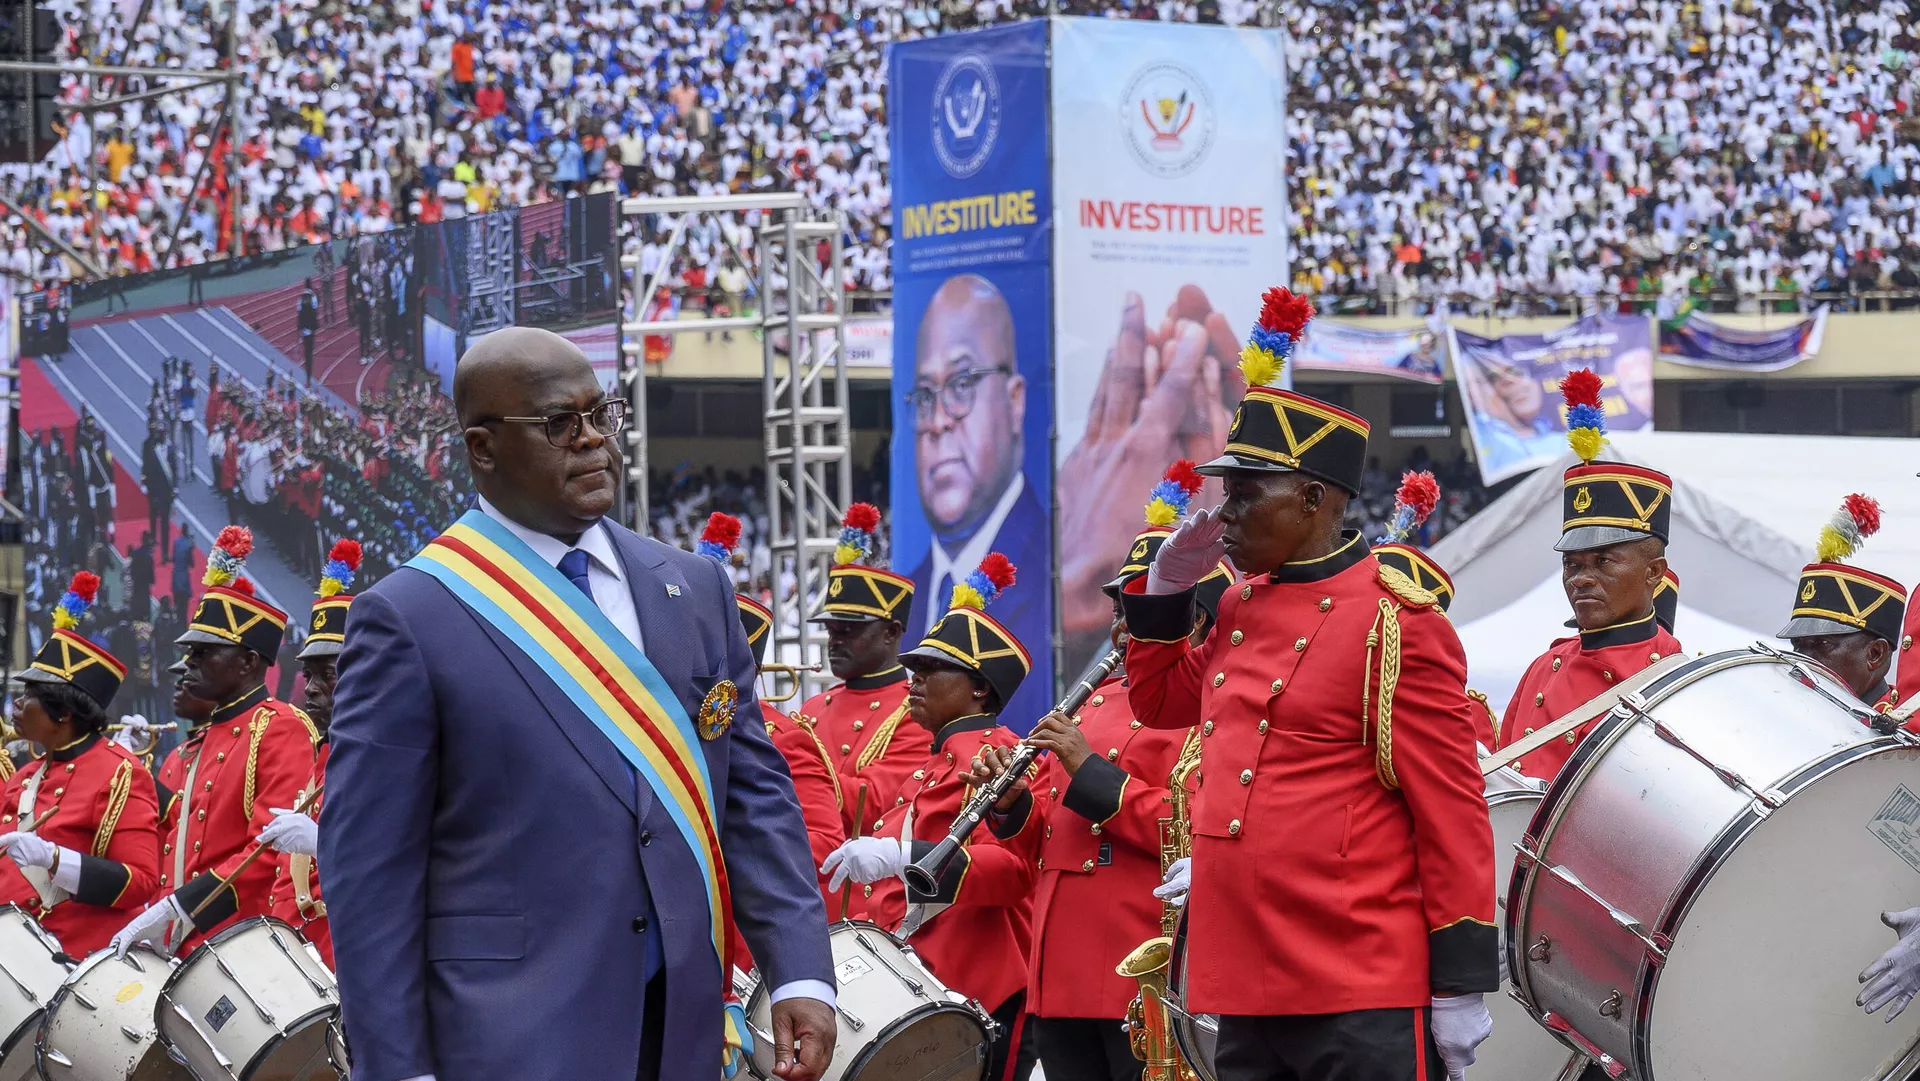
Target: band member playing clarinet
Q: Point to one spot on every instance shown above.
(1102, 826)
(79, 821)
(1341, 911)
(973, 929)
(257, 755)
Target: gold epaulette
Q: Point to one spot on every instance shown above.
(1492, 718)
(826, 758)
(116, 803)
(1403, 587)
(313, 730)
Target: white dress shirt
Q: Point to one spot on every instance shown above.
(615, 601)
(956, 567)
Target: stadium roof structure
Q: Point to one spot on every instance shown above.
(1746, 512)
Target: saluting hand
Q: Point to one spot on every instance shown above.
(1057, 733)
(991, 762)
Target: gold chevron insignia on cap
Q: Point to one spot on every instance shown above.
(67, 655)
(232, 615)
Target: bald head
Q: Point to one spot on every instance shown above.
(967, 440)
(531, 374)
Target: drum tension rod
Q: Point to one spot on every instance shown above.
(1556, 1023)
(225, 1062)
(318, 988)
(1655, 943)
(265, 1015)
(1769, 799)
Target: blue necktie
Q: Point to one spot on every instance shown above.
(574, 566)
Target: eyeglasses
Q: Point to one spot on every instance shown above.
(955, 395)
(608, 419)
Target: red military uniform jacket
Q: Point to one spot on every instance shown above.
(1906, 662)
(96, 799)
(255, 754)
(294, 874)
(1098, 837)
(1570, 673)
(1342, 858)
(870, 740)
(979, 946)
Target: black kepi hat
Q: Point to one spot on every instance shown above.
(970, 639)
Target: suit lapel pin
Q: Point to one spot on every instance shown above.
(672, 590)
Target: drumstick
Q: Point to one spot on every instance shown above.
(299, 808)
(859, 812)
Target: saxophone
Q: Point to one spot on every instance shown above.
(1149, 1022)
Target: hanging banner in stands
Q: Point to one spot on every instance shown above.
(1511, 387)
(1412, 353)
(972, 210)
(1168, 147)
(1698, 342)
(300, 393)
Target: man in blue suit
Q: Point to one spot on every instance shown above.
(519, 889)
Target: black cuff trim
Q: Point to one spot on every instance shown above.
(948, 887)
(101, 881)
(226, 901)
(1160, 617)
(1463, 958)
(1094, 793)
(1007, 825)
(165, 795)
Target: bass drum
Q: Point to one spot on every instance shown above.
(1519, 1049)
(32, 976)
(1702, 884)
(1197, 1035)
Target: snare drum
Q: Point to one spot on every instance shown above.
(897, 1022)
(1701, 886)
(99, 1026)
(29, 978)
(252, 1003)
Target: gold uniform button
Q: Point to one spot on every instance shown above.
(1087, 866)
(1233, 827)
(1049, 831)
(1207, 729)
(875, 704)
(1096, 829)
(1052, 792)
(1608, 676)
(1277, 684)
(1113, 754)
(1569, 737)
(829, 700)
(1219, 678)
(60, 791)
(1246, 776)
(1135, 723)
(6, 818)
(1653, 656)
(1237, 637)
(196, 846)
(1299, 644)
(1099, 699)
(200, 815)
(166, 849)
(209, 786)
(1246, 592)
(221, 757)
(1906, 642)
(1556, 664)
(898, 800)
(1263, 728)
(1041, 864)
(876, 825)
(858, 725)
(869, 890)
(1540, 698)
(1529, 731)
(919, 775)
(1326, 603)
(69, 767)
(846, 748)
(236, 729)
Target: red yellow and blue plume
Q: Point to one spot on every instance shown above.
(986, 582)
(1170, 498)
(76, 600)
(1418, 494)
(1586, 419)
(719, 538)
(856, 534)
(1283, 320)
(343, 562)
(1857, 519)
(229, 556)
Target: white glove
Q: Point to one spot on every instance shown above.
(130, 734)
(1189, 555)
(1895, 977)
(1173, 888)
(148, 926)
(866, 860)
(1460, 1024)
(29, 850)
(292, 832)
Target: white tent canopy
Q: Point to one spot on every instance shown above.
(1746, 512)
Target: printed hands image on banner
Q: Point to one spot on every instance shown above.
(1168, 147)
(971, 365)
(1511, 387)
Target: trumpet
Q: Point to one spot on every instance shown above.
(142, 748)
(792, 672)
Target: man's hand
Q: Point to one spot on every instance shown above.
(803, 1035)
(1461, 1024)
(1178, 881)
(292, 832)
(1189, 555)
(148, 926)
(1061, 736)
(991, 762)
(1895, 977)
(865, 860)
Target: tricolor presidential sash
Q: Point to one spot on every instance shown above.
(600, 671)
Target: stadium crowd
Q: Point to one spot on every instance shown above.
(1476, 153)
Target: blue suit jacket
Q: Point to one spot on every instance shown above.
(487, 850)
(1026, 609)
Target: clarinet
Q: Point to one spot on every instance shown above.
(923, 874)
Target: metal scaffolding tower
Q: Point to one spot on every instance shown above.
(800, 317)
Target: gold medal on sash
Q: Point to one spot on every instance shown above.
(716, 710)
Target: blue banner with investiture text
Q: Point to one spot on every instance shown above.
(972, 373)
(1692, 339)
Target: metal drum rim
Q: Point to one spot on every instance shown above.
(1176, 954)
(1715, 856)
(1609, 728)
(859, 1061)
(222, 936)
(304, 1022)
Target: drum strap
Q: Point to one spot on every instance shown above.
(177, 930)
(1581, 714)
(300, 870)
(37, 877)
